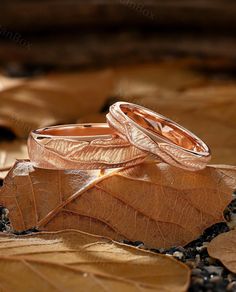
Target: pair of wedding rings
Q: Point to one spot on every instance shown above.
(132, 135)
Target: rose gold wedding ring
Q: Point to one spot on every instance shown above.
(159, 136)
(81, 146)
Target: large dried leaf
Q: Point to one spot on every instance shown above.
(172, 74)
(76, 261)
(54, 99)
(158, 204)
(9, 152)
(223, 248)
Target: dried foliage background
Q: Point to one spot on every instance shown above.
(157, 204)
(160, 205)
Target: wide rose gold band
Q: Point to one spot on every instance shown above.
(158, 136)
(81, 146)
(134, 134)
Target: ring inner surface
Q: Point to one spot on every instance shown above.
(85, 130)
(164, 128)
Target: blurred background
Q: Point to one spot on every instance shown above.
(66, 61)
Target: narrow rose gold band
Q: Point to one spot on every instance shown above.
(159, 136)
(81, 146)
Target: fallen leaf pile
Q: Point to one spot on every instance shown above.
(50, 100)
(223, 248)
(76, 261)
(150, 203)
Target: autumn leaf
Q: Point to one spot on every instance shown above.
(7, 83)
(159, 205)
(223, 248)
(180, 72)
(53, 99)
(72, 260)
(9, 152)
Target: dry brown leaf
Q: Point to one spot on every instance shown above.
(159, 205)
(172, 74)
(9, 153)
(54, 99)
(7, 83)
(223, 248)
(76, 261)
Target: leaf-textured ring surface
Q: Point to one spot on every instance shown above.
(158, 136)
(82, 146)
